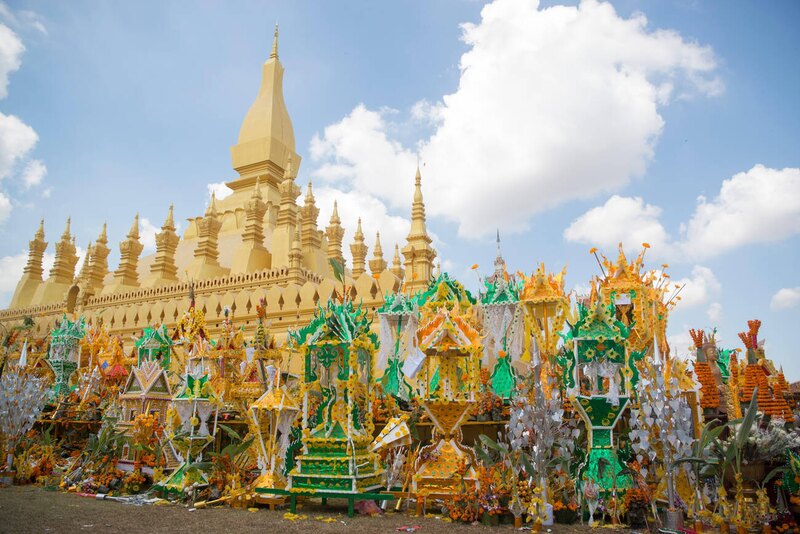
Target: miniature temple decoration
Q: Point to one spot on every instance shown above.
(337, 348)
(503, 326)
(398, 319)
(450, 347)
(597, 387)
(272, 415)
(154, 345)
(546, 311)
(147, 392)
(64, 354)
(227, 358)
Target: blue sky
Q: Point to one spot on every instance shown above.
(566, 126)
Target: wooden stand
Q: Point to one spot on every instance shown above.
(272, 501)
(325, 495)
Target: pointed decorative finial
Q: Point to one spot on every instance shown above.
(134, 231)
(359, 235)
(170, 222)
(257, 190)
(103, 237)
(40, 231)
(66, 234)
(274, 53)
(309, 194)
(212, 206)
(335, 215)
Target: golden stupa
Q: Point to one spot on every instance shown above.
(259, 242)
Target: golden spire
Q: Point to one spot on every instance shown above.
(66, 235)
(134, 231)
(274, 53)
(40, 232)
(309, 194)
(377, 264)
(397, 268)
(163, 269)
(98, 269)
(418, 209)
(83, 275)
(103, 237)
(359, 252)
(169, 223)
(334, 233)
(418, 253)
(359, 235)
(212, 206)
(257, 189)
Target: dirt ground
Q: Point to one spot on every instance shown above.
(26, 509)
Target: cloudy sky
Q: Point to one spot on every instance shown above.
(565, 126)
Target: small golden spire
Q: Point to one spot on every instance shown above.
(397, 267)
(134, 231)
(335, 220)
(274, 53)
(359, 235)
(309, 194)
(212, 206)
(103, 237)
(40, 232)
(257, 190)
(170, 222)
(65, 235)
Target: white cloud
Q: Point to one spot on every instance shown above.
(11, 271)
(680, 343)
(147, 235)
(699, 288)
(34, 173)
(786, 298)
(757, 206)
(17, 139)
(33, 20)
(357, 151)
(5, 207)
(520, 135)
(11, 49)
(620, 220)
(374, 217)
(714, 312)
(219, 189)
